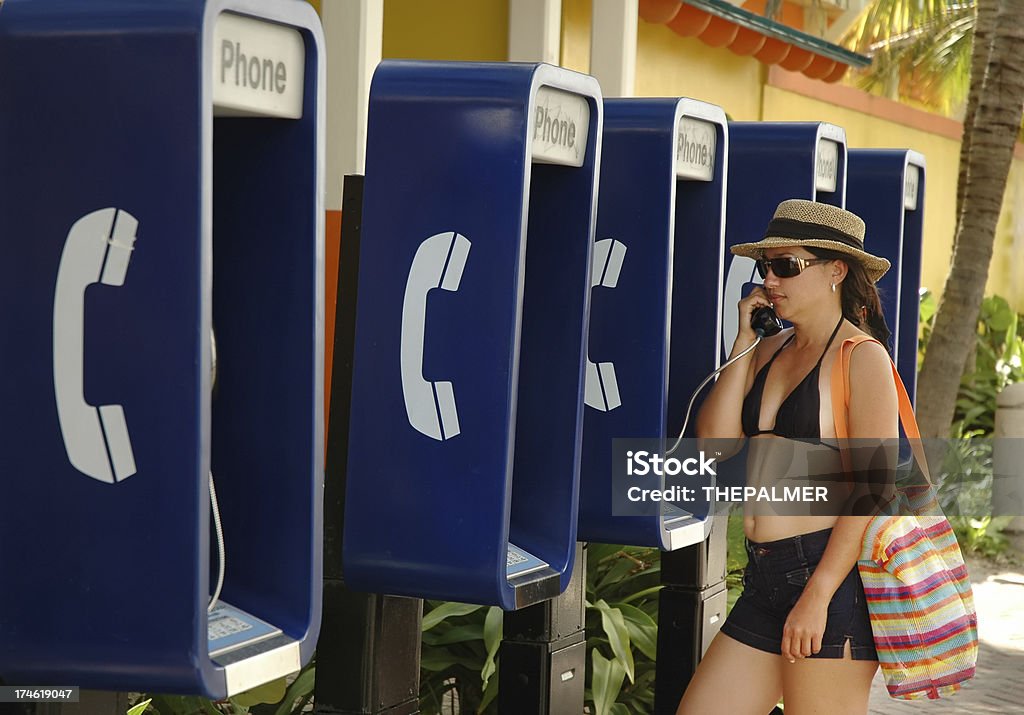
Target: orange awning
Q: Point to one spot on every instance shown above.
(720, 24)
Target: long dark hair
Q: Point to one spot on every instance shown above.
(862, 304)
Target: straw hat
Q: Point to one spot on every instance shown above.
(798, 222)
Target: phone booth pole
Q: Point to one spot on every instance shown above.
(544, 652)
(368, 660)
(691, 611)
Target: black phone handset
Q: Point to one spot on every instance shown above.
(765, 323)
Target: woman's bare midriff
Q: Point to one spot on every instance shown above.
(776, 462)
(773, 528)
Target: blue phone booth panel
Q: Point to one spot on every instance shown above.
(658, 253)
(886, 189)
(770, 162)
(148, 208)
(473, 301)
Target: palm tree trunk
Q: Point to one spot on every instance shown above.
(992, 138)
(981, 48)
(984, 27)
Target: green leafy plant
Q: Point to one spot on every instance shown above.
(997, 362)
(736, 558)
(622, 628)
(982, 536)
(458, 662)
(139, 707)
(965, 477)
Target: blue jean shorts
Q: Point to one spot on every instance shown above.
(776, 574)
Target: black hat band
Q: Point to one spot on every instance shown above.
(805, 231)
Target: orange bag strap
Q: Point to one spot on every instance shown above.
(841, 404)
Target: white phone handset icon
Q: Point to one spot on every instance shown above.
(97, 249)
(601, 390)
(438, 263)
(742, 270)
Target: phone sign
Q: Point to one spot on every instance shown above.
(826, 165)
(911, 183)
(695, 149)
(258, 68)
(561, 122)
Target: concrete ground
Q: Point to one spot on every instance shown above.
(998, 686)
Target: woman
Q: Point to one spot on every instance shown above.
(800, 630)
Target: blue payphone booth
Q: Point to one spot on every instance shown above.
(886, 189)
(464, 447)
(659, 252)
(162, 183)
(768, 163)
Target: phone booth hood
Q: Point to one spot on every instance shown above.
(474, 285)
(153, 208)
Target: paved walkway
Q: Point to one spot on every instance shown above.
(998, 686)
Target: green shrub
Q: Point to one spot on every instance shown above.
(996, 363)
(458, 661)
(622, 628)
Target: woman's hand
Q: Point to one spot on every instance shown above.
(805, 626)
(757, 298)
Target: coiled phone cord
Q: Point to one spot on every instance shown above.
(220, 546)
(215, 511)
(700, 387)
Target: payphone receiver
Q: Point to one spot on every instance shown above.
(765, 323)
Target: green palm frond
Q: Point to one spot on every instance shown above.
(888, 18)
(921, 49)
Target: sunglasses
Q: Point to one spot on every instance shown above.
(786, 266)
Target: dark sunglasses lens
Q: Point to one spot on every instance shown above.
(782, 267)
(786, 267)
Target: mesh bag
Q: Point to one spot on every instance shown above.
(916, 585)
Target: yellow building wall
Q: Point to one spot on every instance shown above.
(472, 30)
(576, 35)
(1006, 272)
(668, 65)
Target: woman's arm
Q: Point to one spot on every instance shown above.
(719, 415)
(873, 415)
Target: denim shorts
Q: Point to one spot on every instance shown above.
(776, 574)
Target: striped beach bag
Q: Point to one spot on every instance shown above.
(916, 585)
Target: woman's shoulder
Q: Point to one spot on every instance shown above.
(771, 345)
(849, 331)
(869, 361)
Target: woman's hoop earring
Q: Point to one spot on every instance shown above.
(833, 287)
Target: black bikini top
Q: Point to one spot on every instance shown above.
(797, 417)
